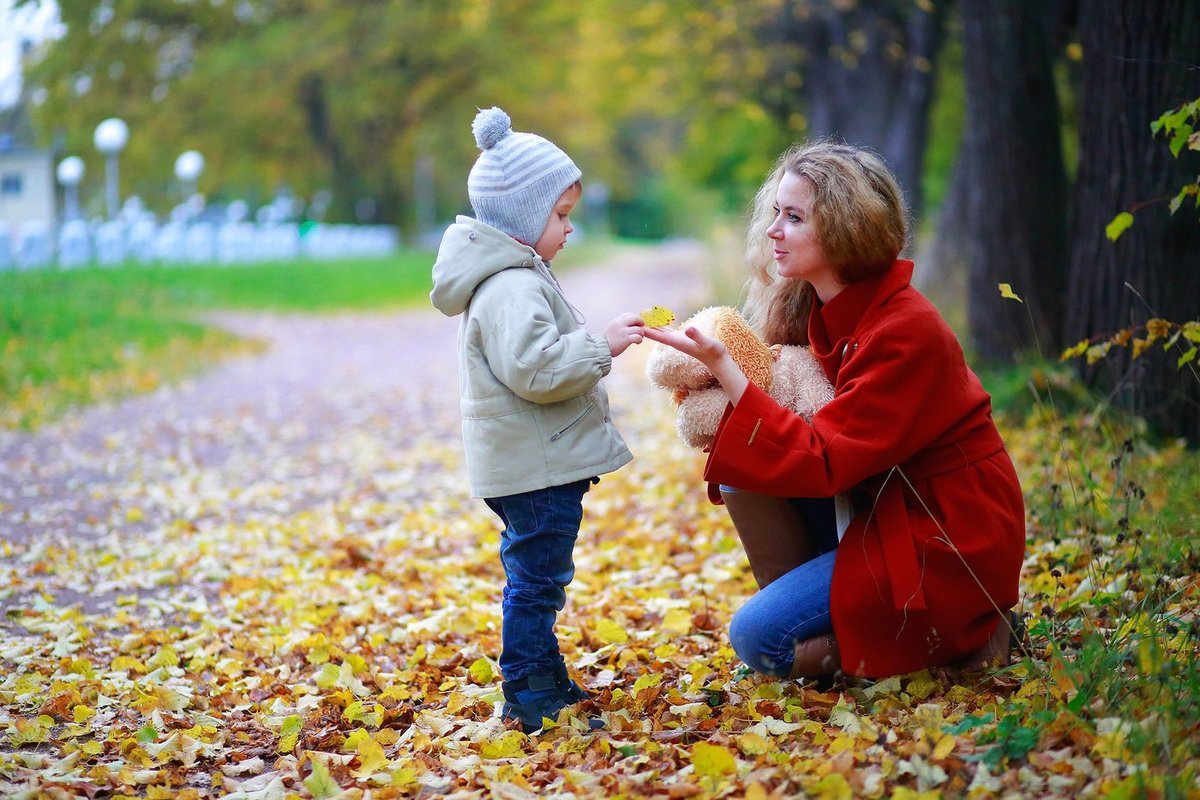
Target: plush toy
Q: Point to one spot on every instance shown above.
(789, 373)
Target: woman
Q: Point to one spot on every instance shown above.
(904, 465)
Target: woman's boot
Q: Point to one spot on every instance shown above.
(772, 531)
(816, 657)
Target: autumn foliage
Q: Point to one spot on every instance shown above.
(250, 641)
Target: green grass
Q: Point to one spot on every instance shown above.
(1111, 581)
(71, 337)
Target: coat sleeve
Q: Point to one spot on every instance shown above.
(900, 386)
(530, 355)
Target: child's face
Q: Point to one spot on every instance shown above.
(559, 225)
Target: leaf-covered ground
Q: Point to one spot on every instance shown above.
(259, 598)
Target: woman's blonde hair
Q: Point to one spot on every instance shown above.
(861, 222)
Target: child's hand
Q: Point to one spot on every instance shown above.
(623, 331)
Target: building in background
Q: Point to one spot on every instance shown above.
(26, 171)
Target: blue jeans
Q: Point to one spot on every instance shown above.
(794, 607)
(540, 528)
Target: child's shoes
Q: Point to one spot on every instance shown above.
(570, 691)
(532, 698)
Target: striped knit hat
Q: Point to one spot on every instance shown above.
(517, 178)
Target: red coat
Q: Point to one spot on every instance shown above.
(936, 547)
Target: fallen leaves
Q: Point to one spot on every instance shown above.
(248, 641)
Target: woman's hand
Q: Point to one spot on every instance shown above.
(708, 351)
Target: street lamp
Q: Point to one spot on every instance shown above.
(70, 173)
(110, 138)
(188, 167)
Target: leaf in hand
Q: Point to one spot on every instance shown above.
(657, 316)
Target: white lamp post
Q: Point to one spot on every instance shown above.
(110, 138)
(188, 167)
(70, 173)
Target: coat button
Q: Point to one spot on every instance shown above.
(473, 235)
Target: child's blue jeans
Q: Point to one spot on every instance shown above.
(794, 607)
(536, 546)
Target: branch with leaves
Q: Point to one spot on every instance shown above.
(1179, 126)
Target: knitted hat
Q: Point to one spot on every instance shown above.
(517, 178)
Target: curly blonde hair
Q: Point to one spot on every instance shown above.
(861, 222)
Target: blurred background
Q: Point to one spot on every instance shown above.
(1020, 129)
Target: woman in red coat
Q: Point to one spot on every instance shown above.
(904, 466)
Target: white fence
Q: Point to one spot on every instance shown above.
(35, 245)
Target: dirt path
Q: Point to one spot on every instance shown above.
(280, 431)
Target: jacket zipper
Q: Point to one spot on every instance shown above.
(573, 422)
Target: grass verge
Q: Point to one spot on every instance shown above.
(73, 337)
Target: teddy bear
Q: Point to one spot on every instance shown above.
(789, 373)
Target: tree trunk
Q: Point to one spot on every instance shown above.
(862, 73)
(1017, 197)
(1139, 61)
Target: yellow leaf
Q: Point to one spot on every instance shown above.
(1007, 292)
(756, 791)
(1120, 223)
(125, 663)
(752, 744)
(321, 783)
(509, 744)
(943, 748)
(92, 748)
(611, 632)
(677, 620)
(833, 786)
(712, 760)
(657, 316)
(82, 713)
(165, 657)
(371, 758)
(481, 671)
(646, 680)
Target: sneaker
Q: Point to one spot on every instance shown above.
(530, 699)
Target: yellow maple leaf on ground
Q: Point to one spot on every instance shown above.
(713, 760)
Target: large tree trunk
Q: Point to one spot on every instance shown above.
(1139, 60)
(1017, 196)
(862, 72)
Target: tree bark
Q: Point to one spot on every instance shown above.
(861, 72)
(1016, 200)
(1139, 61)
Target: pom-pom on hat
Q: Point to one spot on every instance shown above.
(517, 178)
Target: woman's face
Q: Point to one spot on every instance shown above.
(798, 252)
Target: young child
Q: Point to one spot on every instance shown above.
(535, 417)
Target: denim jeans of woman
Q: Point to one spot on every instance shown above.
(536, 549)
(795, 606)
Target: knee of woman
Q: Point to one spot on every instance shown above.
(757, 648)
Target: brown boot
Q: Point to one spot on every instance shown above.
(1007, 638)
(816, 657)
(772, 531)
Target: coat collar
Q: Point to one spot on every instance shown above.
(832, 326)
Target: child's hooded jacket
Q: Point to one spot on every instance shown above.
(534, 413)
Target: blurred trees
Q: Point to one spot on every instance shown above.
(651, 96)
(1013, 177)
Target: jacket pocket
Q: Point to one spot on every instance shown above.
(578, 418)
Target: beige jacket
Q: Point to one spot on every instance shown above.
(534, 413)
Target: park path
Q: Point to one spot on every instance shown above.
(287, 425)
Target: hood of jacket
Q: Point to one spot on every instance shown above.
(470, 253)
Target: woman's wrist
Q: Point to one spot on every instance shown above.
(731, 378)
